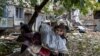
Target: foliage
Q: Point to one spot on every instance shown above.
(83, 5)
(33, 2)
(54, 7)
(61, 5)
(97, 6)
(21, 3)
(2, 4)
(68, 5)
(7, 48)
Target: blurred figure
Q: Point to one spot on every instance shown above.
(36, 48)
(60, 30)
(26, 36)
(53, 39)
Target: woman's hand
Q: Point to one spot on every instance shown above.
(55, 52)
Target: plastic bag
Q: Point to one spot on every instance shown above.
(44, 52)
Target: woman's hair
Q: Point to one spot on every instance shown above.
(37, 38)
(26, 28)
(61, 26)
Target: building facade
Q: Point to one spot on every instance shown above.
(14, 13)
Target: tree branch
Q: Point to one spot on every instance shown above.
(38, 8)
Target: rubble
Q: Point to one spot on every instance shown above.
(85, 44)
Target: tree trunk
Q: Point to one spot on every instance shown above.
(38, 8)
(2, 31)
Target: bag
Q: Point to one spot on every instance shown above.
(44, 52)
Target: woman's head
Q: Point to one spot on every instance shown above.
(25, 28)
(37, 38)
(59, 29)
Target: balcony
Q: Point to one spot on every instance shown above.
(18, 20)
(6, 22)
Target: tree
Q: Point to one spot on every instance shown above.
(96, 6)
(38, 8)
(2, 4)
(59, 6)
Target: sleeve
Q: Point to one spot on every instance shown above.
(45, 28)
(62, 48)
(45, 32)
(48, 37)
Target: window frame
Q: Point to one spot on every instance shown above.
(19, 12)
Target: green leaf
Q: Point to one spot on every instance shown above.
(21, 3)
(2, 4)
(33, 2)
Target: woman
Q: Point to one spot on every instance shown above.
(36, 48)
(27, 36)
(52, 40)
(60, 30)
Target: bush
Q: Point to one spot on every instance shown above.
(7, 48)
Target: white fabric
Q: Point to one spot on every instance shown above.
(52, 40)
(34, 49)
(39, 19)
(81, 28)
(75, 16)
